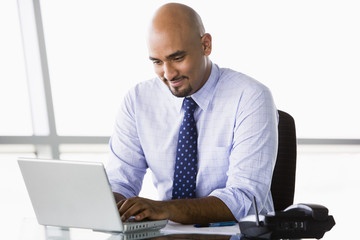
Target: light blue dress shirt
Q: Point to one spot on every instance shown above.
(237, 140)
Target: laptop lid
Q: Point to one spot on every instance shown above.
(74, 194)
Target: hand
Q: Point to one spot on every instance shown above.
(186, 211)
(142, 208)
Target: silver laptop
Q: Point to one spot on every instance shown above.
(75, 194)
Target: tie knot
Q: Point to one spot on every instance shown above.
(189, 105)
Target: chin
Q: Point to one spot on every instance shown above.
(181, 92)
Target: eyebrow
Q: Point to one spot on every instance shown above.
(171, 56)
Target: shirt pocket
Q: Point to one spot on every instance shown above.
(213, 165)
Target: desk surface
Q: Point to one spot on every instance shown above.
(31, 230)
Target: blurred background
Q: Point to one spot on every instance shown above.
(66, 65)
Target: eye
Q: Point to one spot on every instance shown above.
(179, 58)
(157, 62)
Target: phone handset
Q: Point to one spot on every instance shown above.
(318, 212)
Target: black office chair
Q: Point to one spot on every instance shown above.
(283, 180)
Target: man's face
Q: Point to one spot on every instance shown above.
(179, 61)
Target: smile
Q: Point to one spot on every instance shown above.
(177, 82)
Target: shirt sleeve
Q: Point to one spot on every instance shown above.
(252, 156)
(126, 166)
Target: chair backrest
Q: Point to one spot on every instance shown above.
(283, 180)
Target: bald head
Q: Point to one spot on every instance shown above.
(179, 49)
(175, 17)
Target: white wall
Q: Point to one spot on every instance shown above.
(306, 51)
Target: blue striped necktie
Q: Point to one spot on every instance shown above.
(184, 185)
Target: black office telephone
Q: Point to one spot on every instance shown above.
(296, 221)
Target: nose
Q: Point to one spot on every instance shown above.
(169, 71)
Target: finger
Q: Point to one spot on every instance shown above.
(120, 203)
(129, 213)
(142, 215)
(129, 209)
(124, 205)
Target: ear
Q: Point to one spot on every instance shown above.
(206, 42)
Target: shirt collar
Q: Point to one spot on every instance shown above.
(176, 101)
(205, 94)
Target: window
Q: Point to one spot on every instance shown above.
(306, 52)
(14, 100)
(93, 60)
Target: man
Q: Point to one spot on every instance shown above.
(234, 142)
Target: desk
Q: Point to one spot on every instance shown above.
(31, 230)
